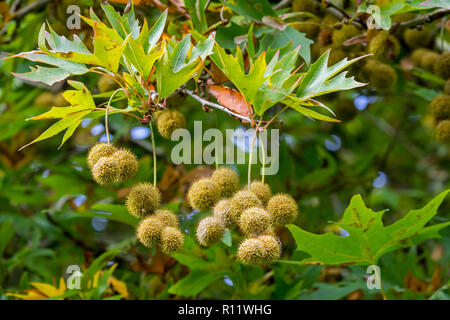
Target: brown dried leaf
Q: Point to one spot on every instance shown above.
(231, 99)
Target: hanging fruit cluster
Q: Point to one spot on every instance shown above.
(254, 210)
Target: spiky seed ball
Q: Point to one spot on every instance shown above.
(417, 55)
(227, 180)
(346, 110)
(168, 121)
(209, 231)
(305, 6)
(143, 200)
(254, 221)
(272, 248)
(97, 151)
(346, 32)
(283, 208)
(415, 38)
(336, 55)
(383, 77)
(203, 194)
(105, 171)
(261, 190)
(251, 251)
(128, 164)
(222, 211)
(442, 66)
(443, 131)
(172, 239)
(428, 60)
(310, 27)
(440, 107)
(241, 201)
(59, 101)
(447, 87)
(44, 99)
(367, 69)
(148, 231)
(106, 84)
(167, 217)
(384, 46)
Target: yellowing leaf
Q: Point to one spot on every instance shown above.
(119, 286)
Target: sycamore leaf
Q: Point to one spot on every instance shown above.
(233, 67)
(231, 99)
(281, 81)
(300, 105)
(321, 79)
(368, 238)
(60, 70)
(108, 46)
(196, 9)
(81, 103)
(176, 66)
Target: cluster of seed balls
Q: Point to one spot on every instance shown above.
(253, 210)
(440, 110)
(111, 165)
(328, 32)
(158, 227)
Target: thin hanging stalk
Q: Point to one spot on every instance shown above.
(263, 159)
(107, 111)
(250, 158)
(154, 152)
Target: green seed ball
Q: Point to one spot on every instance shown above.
(222, 211)
(172, 240)
(283, 208)
(143, 200)
(168, 121)
(346, 110)
(241, 201)
(167, 217)
(97, 151)
(128, 164)
(442, 66)
(149, 230)
(203, 194)
(346, 32)
(383, 77)
(272, 248)
(305, 6)
(106, 171)
(440, 107)
(310, 27)
(384, 46)
(429, 60)
(106, 84)
(227, 180)
(367, 69)
(251, 251)
(254, 221)
(261, 190)
(447, 87)
(336, 55)
(45, 99)
(210, 230)
(417, 55)
(415, 38)
(443, 132)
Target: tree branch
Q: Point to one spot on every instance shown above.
(215, 105)
(426, 18)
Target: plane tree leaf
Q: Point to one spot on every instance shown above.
(368, 238)
(81, 105)
(180, 62)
